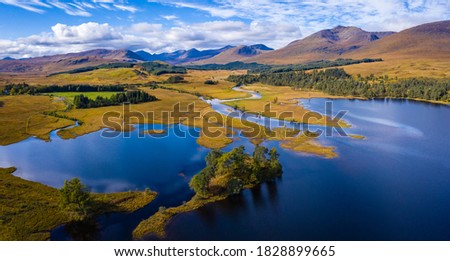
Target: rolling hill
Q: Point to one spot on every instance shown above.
(64, 62)
(424, 41)
(237, 53)
(323, 45)
(423, 50)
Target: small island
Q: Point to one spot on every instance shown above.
(155, 132)
(225, 174)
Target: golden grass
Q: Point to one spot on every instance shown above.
(291, 140)
(357, 136)
(155, 132)
(214, 142)
(309, 146)
(403, 68)
(195, 84)
(22, 116)
(96, 77)
(92, 118)
(29, 210)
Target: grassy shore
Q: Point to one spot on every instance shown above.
(23, 116)
(29, 210)
(155, 225)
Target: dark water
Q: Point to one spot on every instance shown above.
(393, 186)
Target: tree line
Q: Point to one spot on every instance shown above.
(228, 173)
(133, 97)
(24, 88)
(260, 68)
(336, 81)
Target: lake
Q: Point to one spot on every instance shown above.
(395, 185)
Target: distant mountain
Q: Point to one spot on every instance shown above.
(427, 41)
(323, 45)
(182, 56)
(237, 53)
(64, 62)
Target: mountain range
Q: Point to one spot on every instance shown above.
(427, 41)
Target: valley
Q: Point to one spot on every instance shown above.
(217, 137)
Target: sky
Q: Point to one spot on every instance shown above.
(45, 27)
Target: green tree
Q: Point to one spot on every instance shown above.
(76, 199)
(234, 186)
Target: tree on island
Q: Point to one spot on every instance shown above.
(228, 173)
(75, 198)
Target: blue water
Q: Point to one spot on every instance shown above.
(395, 185)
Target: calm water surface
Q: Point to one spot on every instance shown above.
(393, 186)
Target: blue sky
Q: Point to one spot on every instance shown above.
(44, 27)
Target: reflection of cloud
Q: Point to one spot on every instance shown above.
(109, 185)
(408, 129)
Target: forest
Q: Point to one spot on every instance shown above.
(24, 88)
(157, 68)
(260, 68)
(336, 81)
(133, 97)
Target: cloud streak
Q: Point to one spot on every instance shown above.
(314, 15)
(74, 8)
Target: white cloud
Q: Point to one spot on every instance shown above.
(153, 37)
(126, 8)
(214, 11)
(315, 15)
(33, 6)
(87, 32)
(74, 7)
(169, 17)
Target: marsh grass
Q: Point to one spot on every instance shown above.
(29, 210)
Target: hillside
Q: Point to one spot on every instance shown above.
(424, 41)
(423, 50)
(64, 62)
(237, 53)
(182, 56)
(323, 45)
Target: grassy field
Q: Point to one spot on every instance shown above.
(403, 68)
(29, 209)
(195, 84)
(23, 116)
(90, 95)
(96, 77)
